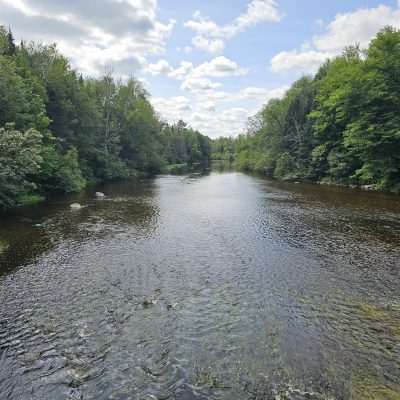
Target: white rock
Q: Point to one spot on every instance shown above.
(75, 206)
(100, 195)
(368, 187)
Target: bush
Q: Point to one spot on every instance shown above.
(60, 173)
(285, 167)
(19, 162)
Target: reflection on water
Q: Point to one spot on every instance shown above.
(202, 287)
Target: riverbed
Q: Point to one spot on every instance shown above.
(202, 286)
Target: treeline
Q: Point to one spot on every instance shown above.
(341, 126)
(60, 132)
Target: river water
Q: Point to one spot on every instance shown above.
(218, 286)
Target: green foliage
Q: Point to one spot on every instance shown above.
(19, 104)
(7, 45)
(183, 145)
(341, 127)
(60, 173)
(285, 167)
(30, 198)
(90, 130)
(223, 149)
(19, 161)
(374, 135)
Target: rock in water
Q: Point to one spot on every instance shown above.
(75, 206)
(368, 187)
(100, 195)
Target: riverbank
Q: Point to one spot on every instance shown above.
(223, 165)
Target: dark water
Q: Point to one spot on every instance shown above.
(223, 286)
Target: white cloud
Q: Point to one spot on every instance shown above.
(346, 29)
(219, 67)
(121, 33)
(302, 61)
(194, 84)
(213, 112)
(356, 27)
(210, 45)
(210, 36)
(200, 115)
(184, 69)
(172, 109)
(197, 78)
(209, 106)
(262, 94)
(161, 67)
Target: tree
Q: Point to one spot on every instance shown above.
(19, 101)
(7, 45)
(342, 126)
(373, 135)
(19, 162)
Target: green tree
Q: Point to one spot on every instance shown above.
(373, 136)
(19, 102)
(20, 159)
(60, 173)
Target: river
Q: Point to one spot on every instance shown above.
(216, 286)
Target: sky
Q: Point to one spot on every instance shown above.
(212, 63)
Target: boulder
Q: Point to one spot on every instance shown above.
(100, 195)
(368, 187)
(75, 206)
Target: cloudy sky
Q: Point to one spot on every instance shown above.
(212, 63)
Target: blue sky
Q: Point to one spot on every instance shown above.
(211, 63)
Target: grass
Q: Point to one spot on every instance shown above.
(176, 168)
(30, 198)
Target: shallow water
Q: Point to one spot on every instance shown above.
(223, 286)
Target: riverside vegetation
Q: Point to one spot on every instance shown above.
(341, 126)
(60, 132)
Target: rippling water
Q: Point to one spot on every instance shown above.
(222, 286)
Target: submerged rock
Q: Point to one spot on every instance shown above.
(149, 302)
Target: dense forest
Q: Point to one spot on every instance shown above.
(60, 131)
(340, 127)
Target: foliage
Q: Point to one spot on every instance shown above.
(60, 173)
(342, 126)
(76, 130)
(183, 145)
(19, 160)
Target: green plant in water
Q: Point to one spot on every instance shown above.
(389, 317)
(3, 246)
(367, 388)
(205, 377)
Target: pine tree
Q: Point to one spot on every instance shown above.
(11, 44)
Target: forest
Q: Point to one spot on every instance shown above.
(341, 126)
(60, 131)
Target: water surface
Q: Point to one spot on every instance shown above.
(222, 286)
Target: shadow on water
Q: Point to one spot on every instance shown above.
(27, 232)
(202, 286)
